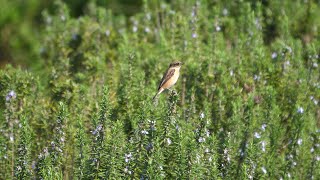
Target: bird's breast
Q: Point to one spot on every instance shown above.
(172, 80)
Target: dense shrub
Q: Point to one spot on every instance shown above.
(245, 106)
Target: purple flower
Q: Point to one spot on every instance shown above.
(149, 147)
(107, 32)
(218, 28)
(98, 129)
(147, 29)
(168, 141)
(128, 157)
(144, 132)
(194, 35)
(299, 141)
(135, 29)
(225, 12)
(300, 110)
(263, 146)
(201, 115)
(11, 95)
(201, 139)
(62, 17)
(257, 135)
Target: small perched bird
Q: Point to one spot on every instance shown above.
(170, 77)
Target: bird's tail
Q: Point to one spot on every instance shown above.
(160, 91)
(154, 97)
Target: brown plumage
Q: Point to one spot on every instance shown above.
(169, 78)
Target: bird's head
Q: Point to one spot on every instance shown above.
(176, 64)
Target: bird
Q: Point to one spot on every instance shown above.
(170, 77)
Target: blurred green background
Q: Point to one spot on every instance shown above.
(21, 24)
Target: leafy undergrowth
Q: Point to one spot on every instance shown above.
(245, 106)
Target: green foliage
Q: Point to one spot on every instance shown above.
(97, 161)
(246, 105)
(22, 169)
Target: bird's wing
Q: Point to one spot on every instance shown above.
(166, 77)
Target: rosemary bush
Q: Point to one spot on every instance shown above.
(246, 105)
